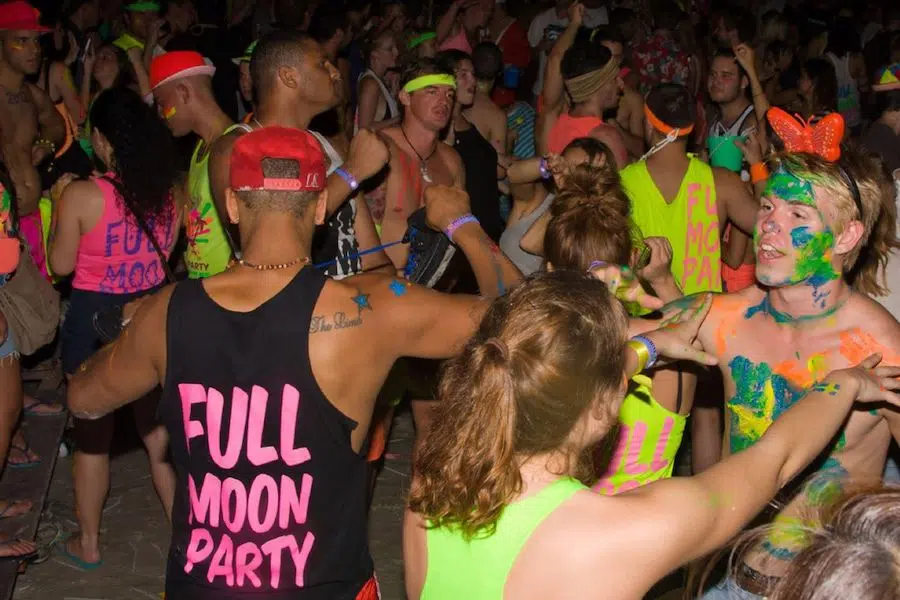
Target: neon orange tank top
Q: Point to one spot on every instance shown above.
(568, 128)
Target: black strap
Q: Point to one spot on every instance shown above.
(146, 229)
(678, 396)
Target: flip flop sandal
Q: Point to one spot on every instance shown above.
(42, 401)
(52, 534)
(24, 449)
(9, 505)
(76, 560)
(17, 557)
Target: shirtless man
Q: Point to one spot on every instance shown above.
(30, 131)
(802, 320)
(293, 82)
(316, 348)
(417, 156)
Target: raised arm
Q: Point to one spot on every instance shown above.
(692, 516)
(445, 24)
(494, 272)
(126, 369)
(553, 79)
(735, 202)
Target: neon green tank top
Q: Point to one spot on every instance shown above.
(208, 251)
(648, 439)
(477, 569)
(690, 222)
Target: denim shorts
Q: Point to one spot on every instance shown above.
(8, 347)
(78, 337)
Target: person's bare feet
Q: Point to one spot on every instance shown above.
(16, 548)
(76, 547)
(35, 406)
(14, 508)
(20, 453)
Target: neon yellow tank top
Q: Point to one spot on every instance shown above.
(648, 440)
(126, 42)
(208, 251)
(477, 569)
(690, 222)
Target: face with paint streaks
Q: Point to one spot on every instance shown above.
(171, 105)
(22, 51)
(793, 239)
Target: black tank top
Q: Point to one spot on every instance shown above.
(270, 498)
(480, 161)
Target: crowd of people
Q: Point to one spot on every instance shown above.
(591, 244)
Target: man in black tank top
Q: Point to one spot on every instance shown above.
(314, 87)
(267, 427)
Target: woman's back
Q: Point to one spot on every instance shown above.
(114, 255)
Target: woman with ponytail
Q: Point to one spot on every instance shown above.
(500, 509)
(113, 232)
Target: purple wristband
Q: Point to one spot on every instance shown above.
(544, 169)
(457, 223)
(348, 177)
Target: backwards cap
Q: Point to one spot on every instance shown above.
(279, 143)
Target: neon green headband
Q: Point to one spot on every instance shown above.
(429, 80)
(142, 7)
(420, 39)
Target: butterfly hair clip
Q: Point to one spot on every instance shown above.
(822, 139)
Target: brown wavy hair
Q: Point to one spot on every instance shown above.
(545, 354)
(589, 221)
(865, 266)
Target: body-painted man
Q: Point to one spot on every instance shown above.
(820, 225)
(418, 158)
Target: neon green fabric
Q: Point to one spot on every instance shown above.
(648, 440)
(690, 222)
(477, 569)
(208, 251)
(142, 7)
(126, 42)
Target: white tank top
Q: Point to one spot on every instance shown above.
(848, 92)
(390, 102)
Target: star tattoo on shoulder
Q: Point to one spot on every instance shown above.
(361, 300)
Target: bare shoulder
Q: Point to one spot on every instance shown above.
(450, 157)
(868, 327)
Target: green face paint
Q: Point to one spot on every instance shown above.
(790, 188)
(814, 251)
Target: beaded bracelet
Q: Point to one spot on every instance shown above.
(45, 142)
(457, 223)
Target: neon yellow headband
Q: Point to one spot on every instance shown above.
(429, 80)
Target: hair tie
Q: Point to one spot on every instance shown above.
(499, 345)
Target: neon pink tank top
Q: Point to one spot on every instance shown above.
(115, 257)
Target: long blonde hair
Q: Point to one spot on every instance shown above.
(545, 354)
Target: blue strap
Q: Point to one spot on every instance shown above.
(328, 263)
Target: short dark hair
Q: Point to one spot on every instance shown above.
(607, 33)
(673, 104)
(448, 60)
(487, 60)
(274, 50)
(584, 58)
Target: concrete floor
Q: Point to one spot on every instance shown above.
(136, 537)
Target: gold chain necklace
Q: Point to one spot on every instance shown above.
(300, 259)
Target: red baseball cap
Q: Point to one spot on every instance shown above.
(176, 65)
(281, 143)
(20, 16)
